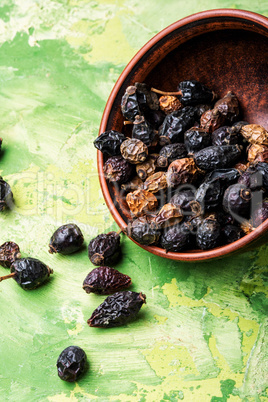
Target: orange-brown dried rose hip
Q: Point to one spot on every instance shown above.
(255, 149)
(211, 120)
(141, 202)
(146, 168)
(134, 151)
(255, 134)
(169, 103)
(181, 171)
(228, 106)
(133, 184)
(168, 215)
(156, 182)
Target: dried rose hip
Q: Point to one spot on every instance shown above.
(71, 363)
(194, 92)
(255, 134)
(134, 151)
(255, 177)
(181, 171)
(195, 139)
(231, 233)
(105, 280)
(156, 182)
(226, 136)
(237, 200)
(260, 214)
(6, 195)
(185, 199)
(168, 215)
(254, 149)
(117, 169)
(117, 309)
(141, 202)
(170, 153)
(130, 105)
(109, 142)
(146, 168)
(66, 239)
(217, 157)
(104, 248)
(175, 124)
(211, 120)
(143, 231)
(228, 106)
(142, 130)
(169, 103)
(177, 238)
(29, 273)
(208, 234)
(132, 185)
(9, 252)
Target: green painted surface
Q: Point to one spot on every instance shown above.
(202, 336)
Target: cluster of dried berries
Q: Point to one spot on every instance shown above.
(194, 175)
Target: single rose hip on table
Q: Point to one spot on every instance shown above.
(72, 363)
(66, 239)
(105, 280)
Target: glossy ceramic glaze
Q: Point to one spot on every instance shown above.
(224, 49)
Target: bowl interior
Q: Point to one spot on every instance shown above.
(224, 50)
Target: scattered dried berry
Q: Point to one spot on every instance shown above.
(6, 195)
(117, 309)
(217, 157)
(71, 363)
(141, 202)
(105, 280)
(9, 252)
(134, 151)
(104, 248)
(66, 239)
(143, 231)
(109, 142)
(117, 169)
(29, 273)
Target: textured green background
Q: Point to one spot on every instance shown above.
(201, 336)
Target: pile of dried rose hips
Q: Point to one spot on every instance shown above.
(192, 174)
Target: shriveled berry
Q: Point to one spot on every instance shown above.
(142, 130)
(185, 199)
(9, 252)
(176, 238)
(195, 139)
(211, 120)
(231, 233)
(147, 99)
(146, 168)
(228, 106)
(217, 157)
(134, 151)
(71, 363)
(117, 169)
(237, 200)
(254, 149)
(141, 202)
(255, 177)
(226, 135)
(66, 239)
(170, 153)
(29, 272)
(255, 134)
(117, 309)
(155, 118)
(130, 104)
(6, 195)
(109, 142)
(168, 215)
(208, 234)
(132, 185)
(104, 248)
(175, 124)
(260, 214)
(143, 231)
(105, 280)
(169, 103)
(156, 182)
(194, 92)
(181, 171)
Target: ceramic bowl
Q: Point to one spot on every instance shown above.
(224, 49)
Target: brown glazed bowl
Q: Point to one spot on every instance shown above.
(224, 49)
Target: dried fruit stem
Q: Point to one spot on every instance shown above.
(127, 122)
(2, 278)
(158, 91)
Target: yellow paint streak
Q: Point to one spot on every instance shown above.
(63, 398)
(168, 359)
(250, 329)
(76, 330)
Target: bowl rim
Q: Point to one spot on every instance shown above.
(201, 255)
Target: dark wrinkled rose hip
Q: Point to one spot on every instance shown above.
(6, 195)
(117, 309)
(66, 240)
(105, 280)
(104, 248)
(71, 363)
(9, 252)
(29, 272)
